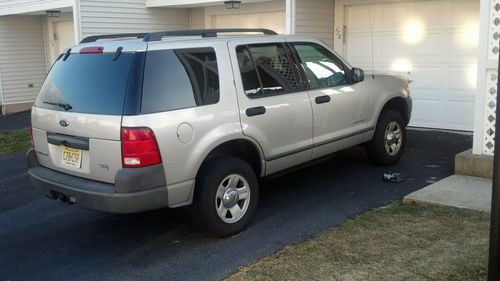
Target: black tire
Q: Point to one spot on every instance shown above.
(376, 148)
(208, 181)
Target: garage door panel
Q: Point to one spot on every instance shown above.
(432, 42)
(432, 46)
(359, 48)
(392, 15)
(461, 12)
(464, 42)
(427, 79)
(427, 113)
(460, 115)
(388, 47)
(462, 82)
(358, 18)
(430, 13)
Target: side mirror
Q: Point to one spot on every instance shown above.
(357, 75)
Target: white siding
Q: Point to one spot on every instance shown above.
(197, 18)
(124, 16)
(10, 7)
(22, 57)
(315, 18)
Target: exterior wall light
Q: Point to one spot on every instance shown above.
(53, 14)
(232, 4)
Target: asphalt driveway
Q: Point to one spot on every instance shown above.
(41, 239)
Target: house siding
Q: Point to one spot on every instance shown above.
(124, 16)
(315, 18)
(9, 7)
(22, 58)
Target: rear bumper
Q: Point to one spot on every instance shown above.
(135, 190)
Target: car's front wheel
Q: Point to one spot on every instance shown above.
(226, 196)
(389, 139)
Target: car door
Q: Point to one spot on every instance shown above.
(274, 108)
(340, 108)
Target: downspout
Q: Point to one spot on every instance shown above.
(290, 16)
(77, 21)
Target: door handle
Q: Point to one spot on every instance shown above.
(322, 99)
(253, 111)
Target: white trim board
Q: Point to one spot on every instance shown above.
(482, 65)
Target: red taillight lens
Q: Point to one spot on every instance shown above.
(30, 132)
(139, 148)
(92, 50)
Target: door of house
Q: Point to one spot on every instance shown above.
(434, 43)
(63, 37)
(271, 20)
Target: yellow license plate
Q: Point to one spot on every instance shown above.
(71, 157)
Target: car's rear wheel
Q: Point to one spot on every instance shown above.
(389, 139)
(226, 196)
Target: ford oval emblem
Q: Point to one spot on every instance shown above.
(64, 123)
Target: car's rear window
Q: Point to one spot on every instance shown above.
(87, 83)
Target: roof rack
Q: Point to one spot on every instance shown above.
(112, 36)
(157, 36)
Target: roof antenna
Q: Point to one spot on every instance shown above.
(371, 41)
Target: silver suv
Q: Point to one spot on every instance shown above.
(133, 122)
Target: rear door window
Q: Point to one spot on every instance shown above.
(87, 83)
(181, 78)
(266, 69)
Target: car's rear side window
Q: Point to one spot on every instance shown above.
(181, 78)
(266, 69)
(87, 83)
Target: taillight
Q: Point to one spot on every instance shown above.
(139, 148)
(30, 132)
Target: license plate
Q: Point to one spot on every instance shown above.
(71, 157)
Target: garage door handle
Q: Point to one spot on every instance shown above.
(322, 99)
(253, 111)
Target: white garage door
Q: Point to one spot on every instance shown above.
(271, 20)
(433, 43)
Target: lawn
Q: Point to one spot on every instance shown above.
(398, 242)
(14, 141)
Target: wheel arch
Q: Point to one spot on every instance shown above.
(244, 148)
(399, 104)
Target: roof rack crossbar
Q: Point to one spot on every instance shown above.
(157, 36)
(113, 36)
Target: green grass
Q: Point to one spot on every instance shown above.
(14, 141)
(399, 242)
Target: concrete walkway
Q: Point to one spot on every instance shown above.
(456, 191)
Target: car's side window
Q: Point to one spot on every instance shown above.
(266, 70)
(181, 78)
(322, 68)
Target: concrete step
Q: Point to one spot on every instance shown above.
(456, 191)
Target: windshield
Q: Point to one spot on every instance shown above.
(87, 83)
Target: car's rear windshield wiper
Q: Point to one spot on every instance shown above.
(65, 106)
